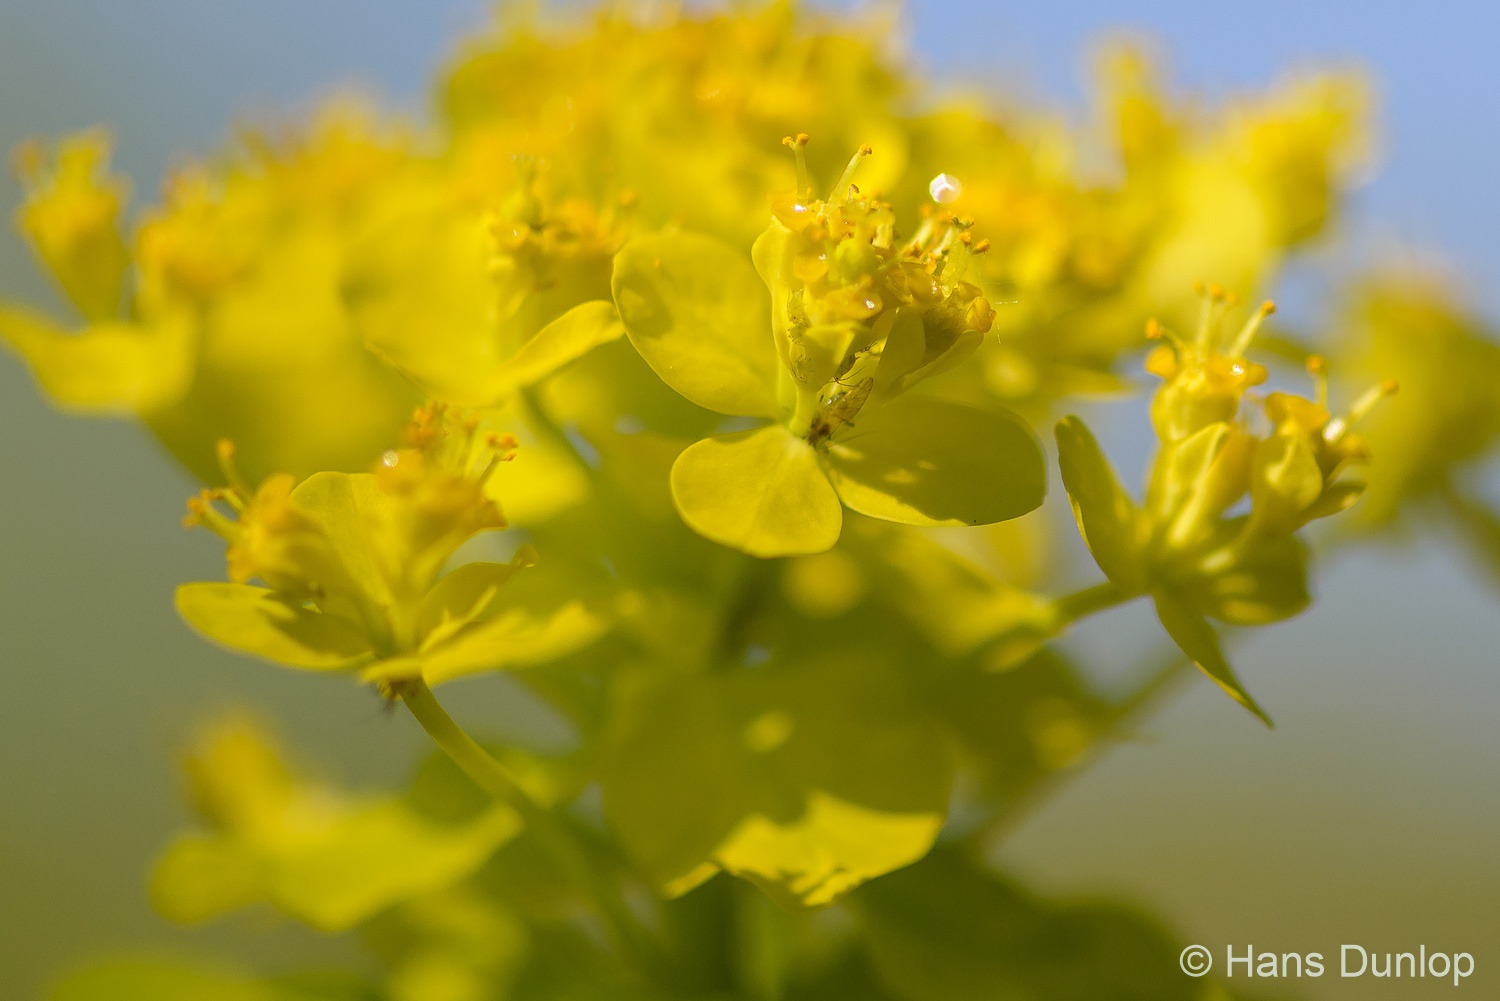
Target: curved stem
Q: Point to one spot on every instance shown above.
(540, 421)
(494, 778)
(1085, 602)
(477, 763)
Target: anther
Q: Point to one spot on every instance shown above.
(1156, 331)
(201, 512)
(981, 246)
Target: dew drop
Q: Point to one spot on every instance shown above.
(945, 188)
(389, 458)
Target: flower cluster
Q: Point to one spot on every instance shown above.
(351, 564)
(757, 455)
(1186, 546)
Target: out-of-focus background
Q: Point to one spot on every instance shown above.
(1371, 815)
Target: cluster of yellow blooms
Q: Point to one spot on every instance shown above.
(741, 448)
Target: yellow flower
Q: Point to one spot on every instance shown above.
(355, 563)
(854, 319)
(1412, 327)
(332, 860)
(1183, 547)
(72, 218)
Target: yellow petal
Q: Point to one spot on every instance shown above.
(1107, 518)
(1197, 639)
(111, 368)
(926, 462)
(833, 847)
(565, 339)
(761, 492)
(254, 620)
(517, 637)
(697, 312)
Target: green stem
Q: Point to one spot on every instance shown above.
(747, 596)
(1080, 604)
(494, 778)
(540, 421)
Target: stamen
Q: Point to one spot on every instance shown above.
(1372, 396)
(846, 180)
(798, 143)
(1318, 369)
(1205, 316)
(1247, 333)
(1155, 332)
(224, 451)
(502, 449)
(1335, 428)
(201, 512)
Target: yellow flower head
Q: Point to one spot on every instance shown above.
(436, 489)
(840, 280)
(71, 216)
(1203, 381)
(193, 247)
(1295, 471)
(270, 538)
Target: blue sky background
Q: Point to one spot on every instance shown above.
(1371, 815)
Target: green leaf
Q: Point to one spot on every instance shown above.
(806, 778)
(944, 930)
(1196, 638)
(565, 339)
(1107, 518)
(761, 492)
(111, 368)
(256, 621)
(697, 312)
(925, 462)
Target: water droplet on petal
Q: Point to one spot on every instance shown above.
(945, 188)
(389, 458)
